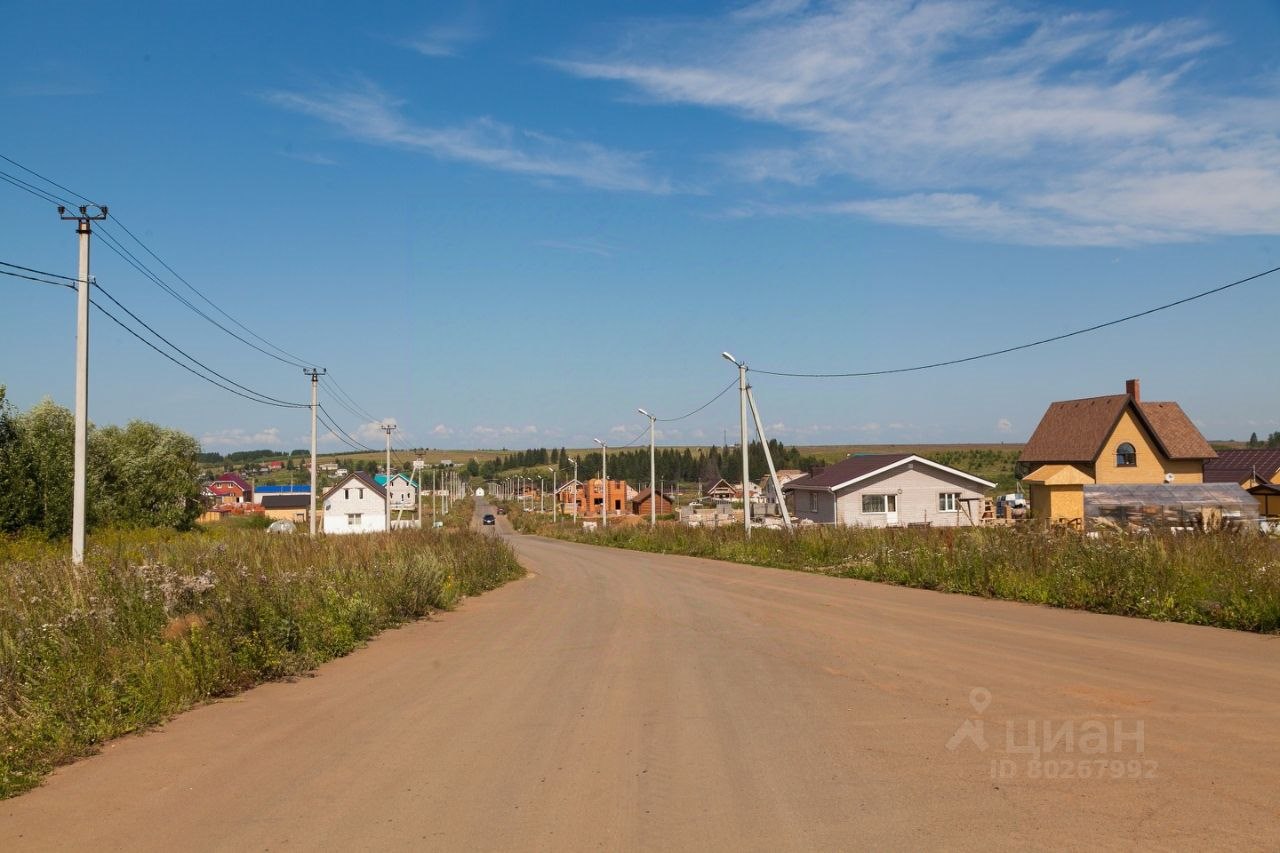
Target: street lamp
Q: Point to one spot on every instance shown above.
(653, 468)
(604, 482)
(555, 493)
(742, 415)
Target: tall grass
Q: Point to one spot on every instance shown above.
(154, 622)
(1226, 580)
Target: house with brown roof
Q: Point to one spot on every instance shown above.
(640, 503)
(1116, 439)
(888, 490)
(1258, 471)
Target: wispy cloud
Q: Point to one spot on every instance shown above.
(240, 439)
(365, 112)
(984, 118)
(446, 40)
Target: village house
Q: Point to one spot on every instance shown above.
(401, 491)
(287, 506)
(590, 497)
(1082, 445)
(768, 497)
(230, 488)
(640, 503)
(721, 490)
(1257, 471)
(888, 490)
(355, 505)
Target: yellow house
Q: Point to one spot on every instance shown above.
(1108, 440)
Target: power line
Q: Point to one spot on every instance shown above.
(723, 391)
(339, 391)
(113, 243)
(291, 359)
(1040, 342)
(32, 189)
(339, 434)
(38, 280)
(186, 367)
(50, 181)
(354, 441)
(39, 272)
(265, 397)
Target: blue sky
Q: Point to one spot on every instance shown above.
(502, 225)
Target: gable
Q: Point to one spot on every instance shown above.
(1081, 431)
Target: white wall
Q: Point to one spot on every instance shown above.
(918, 502)
(346, 500)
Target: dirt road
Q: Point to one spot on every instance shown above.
(615, 700)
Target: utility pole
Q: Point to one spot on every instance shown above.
(653, 467)
(604, 482)
(768, 458)
(576, 486)
(742, 418)
(315, 374)
(386, 491)
(78, 488)
(555, 493)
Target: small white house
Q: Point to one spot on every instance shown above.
(355, 505)
(889, 490)
(401, 490)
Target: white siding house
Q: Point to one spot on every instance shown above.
(356, 505)
(401, 490)
(889, 490)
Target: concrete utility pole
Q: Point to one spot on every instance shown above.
(768, 457)
(576, 486)
(604, 482)
(387, 428)
(315, 374)
(742, 417)
(555, 493)
(78, 488)
(653, 468)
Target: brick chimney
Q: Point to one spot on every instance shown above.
(1133, 388)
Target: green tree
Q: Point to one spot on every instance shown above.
(148, 476)
(1253, 440)
(18, 498)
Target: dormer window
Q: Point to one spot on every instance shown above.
(1126, 456)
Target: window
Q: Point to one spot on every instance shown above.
(873, 503)
(346, 494)
(1126, 456)
(813, 501)
(353, 519)
(948, 501)
(362, 494)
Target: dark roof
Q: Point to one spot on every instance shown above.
(233, 477)
(645, 494)
(286, 501)
(1076, 430)
(846, 470)
(358, 475)
(1236, 466)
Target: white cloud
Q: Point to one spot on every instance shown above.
(365, 112)
(1004, 425)
(441, 430)
(979, 117)
(241, 439)
(445, 40)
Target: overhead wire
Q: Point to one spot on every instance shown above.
(1007, 350)
(117, 246)
(723, 391)
(192, 359)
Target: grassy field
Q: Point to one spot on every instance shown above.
(153, 622)
(1226, 580)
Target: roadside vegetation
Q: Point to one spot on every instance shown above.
(157, 621)
(1225, 580)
